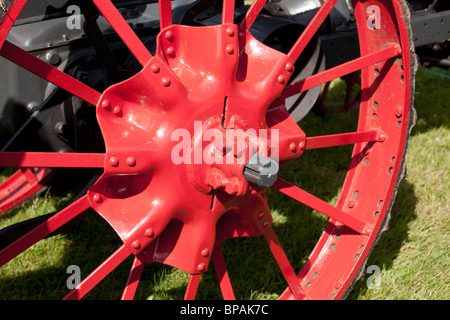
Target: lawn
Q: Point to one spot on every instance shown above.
(413, 256)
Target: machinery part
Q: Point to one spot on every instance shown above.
(430, 28)
(13, 232)
(281, 33)
(22, 185)
(437, 55)
(261, 171)
(202, 83)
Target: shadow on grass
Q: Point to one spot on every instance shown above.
(391, 241)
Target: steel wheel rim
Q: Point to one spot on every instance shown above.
(382, 128)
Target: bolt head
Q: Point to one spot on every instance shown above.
(281, 79)
(170, 51)
(60, 128)
(131, 162)
(149, 233)
(114, 162)
(230, 32)
(136, 244)
(165, 82)
(293, 147)
(155, 68)
(105, 104)
(117, 110)
(201, 267)
(289, 67)
(97, 198)
(54, 59)
(168, 35)
(301, 145)
(205, 253)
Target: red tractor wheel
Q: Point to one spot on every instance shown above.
(193, 143)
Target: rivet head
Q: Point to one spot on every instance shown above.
(149, 233)
(301, 145)
(382, 137)
(170, 51)
(97, 198)
(165, 82)
(201, 267)
(399, 112)
(105, 104)
(117, 110)
(229, 49)
(293, 147)
(131, 161)
(155, 68)
(266, 224)
(351, 204)
(205, 253)
(136, 244)
(230, 32)
(281, 79)
(289, 67)
(261, 215)
(168, 35)
(114, 162)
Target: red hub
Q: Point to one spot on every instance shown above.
(182, 128)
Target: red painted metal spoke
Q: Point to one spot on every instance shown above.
(341, 139)
(339, 71)
(44, 229)
(133, 279)
(124, 31)
(49, 73)
(28, 173)
(252, 13)
(98, 274)
(321, 206)
(311, 29)
(52, 160)
(165, 13)
(222, 274)
(9, 18)
(21, 185)
(191, 290)
(228, 12)
(284, 264)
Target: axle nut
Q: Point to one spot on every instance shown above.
(261, 171)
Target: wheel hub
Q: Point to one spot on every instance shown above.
(178, 136)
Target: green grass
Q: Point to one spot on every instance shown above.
(413, 255)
